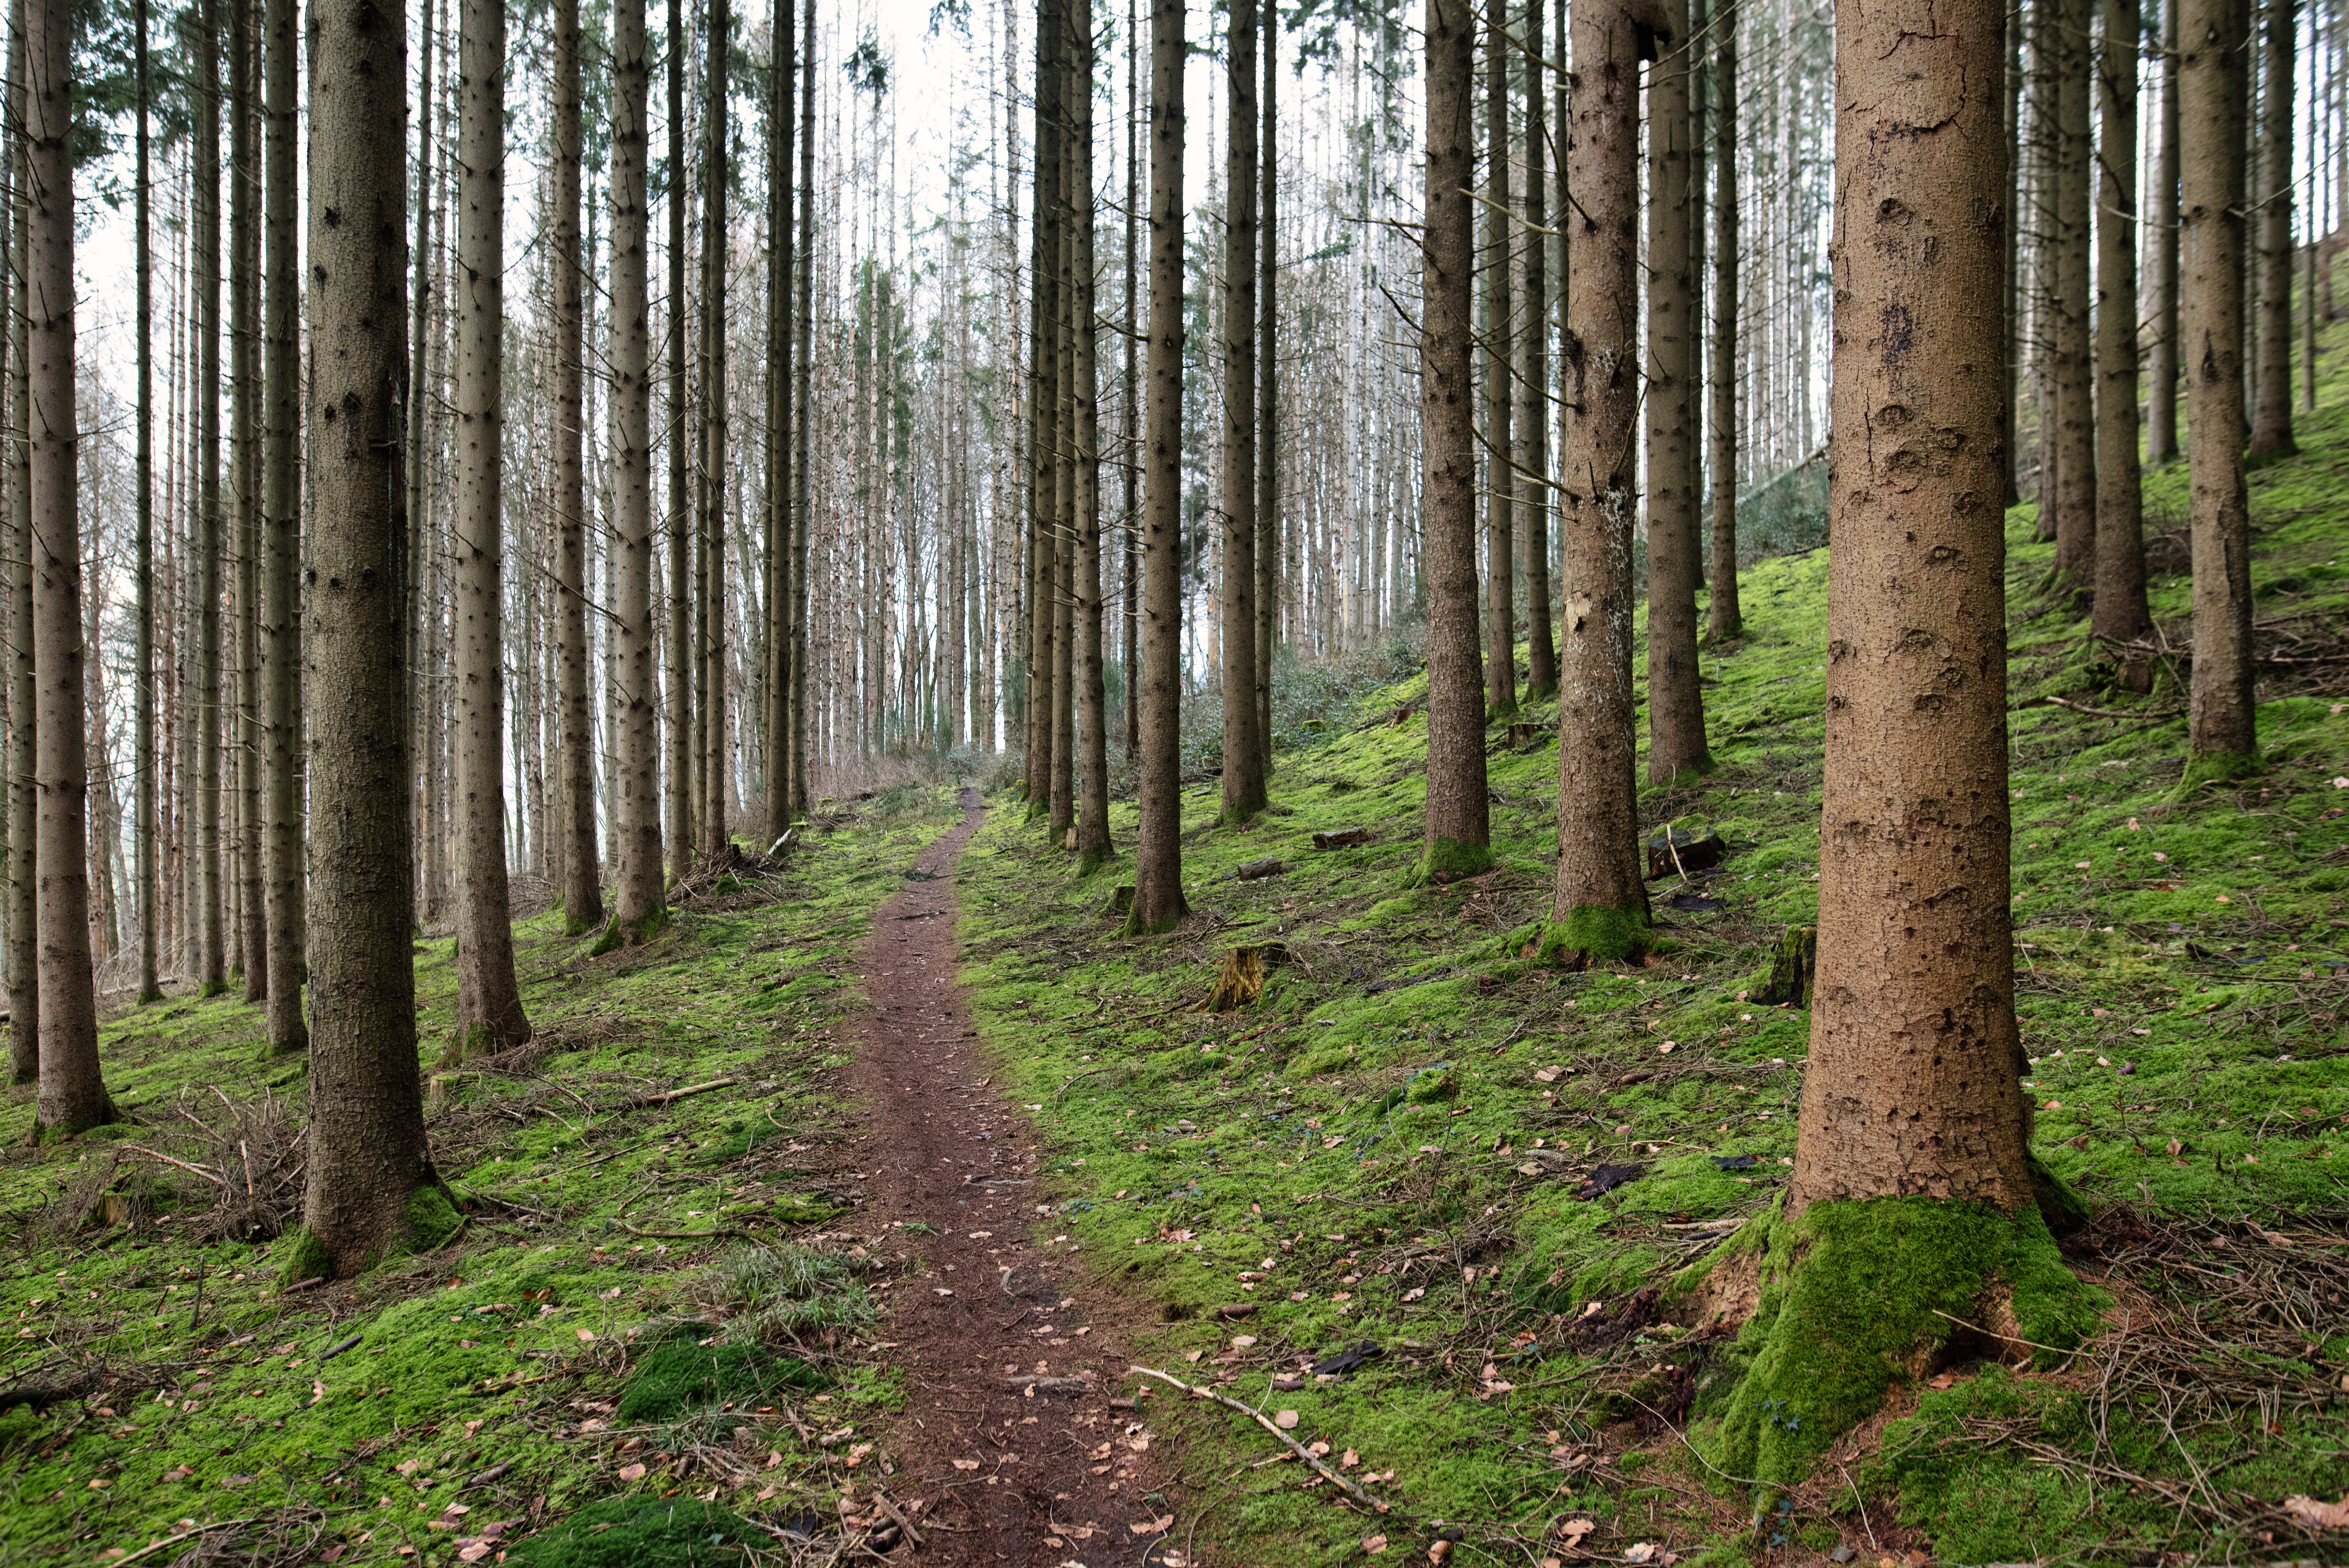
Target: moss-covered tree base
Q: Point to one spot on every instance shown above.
(305, 1257)
(1591, 933)
(1448, 861)
(1849, 1298)
(2216, 767)
(1091, 858)
(1137, 926)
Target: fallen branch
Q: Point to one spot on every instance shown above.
(682, 1236)
(190, 1169)
(639, 1101)
(2112, 712)
(1350, 1488)
(40, 1396)
(183, 1536)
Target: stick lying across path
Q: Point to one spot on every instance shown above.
(1261, 1419)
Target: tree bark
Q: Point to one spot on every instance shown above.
(1267, 446)
(205, 161)
(2212, 89)
(1499, 341)
(489, 1003)
(2161, 435)
(1044, 448)
(716, 768)
(143, 693)
(1130, 607)
(23, 764)
(1724, 618)
(641, 892)
(805, 332)
(2120, 614)
(244, 468)
(72, 1094)
(1534, 495)
(1158, 901)
(678, 655)
(1911, 1170)
(1675, 702)
(2272, 434)
(1244, 794)
(366, 1153)
(282, 851)
(783, 51)
(1458, 836)
(1092, 806)
(1599, 899)
(2073, 373)
(1063, 585)
(583, 892)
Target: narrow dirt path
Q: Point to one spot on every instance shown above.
(1017, 1437)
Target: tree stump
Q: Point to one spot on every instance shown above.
(1343, 839)
(1673, 851)
(1526, 737)
(1241, 984)
(1121, 901)
(1795, 969)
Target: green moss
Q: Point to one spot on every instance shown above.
(1856, 1295)
(1448, 861)
(432, 1218)
(1091, 858)
(682, 1374)
(304, 1256)
(1592, 932)
(641, 1532)
(2064, 1210)
(2216, 767)
(609, 939)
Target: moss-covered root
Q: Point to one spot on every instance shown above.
(2215, 767)
(1592, 934)
(1446, 861)
(1849, 1298)
(1091, 858)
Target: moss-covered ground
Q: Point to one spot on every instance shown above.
(548, 1357)
(1424, 1139)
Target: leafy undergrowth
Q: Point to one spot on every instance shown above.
(1490, 1170)
(549, 1356)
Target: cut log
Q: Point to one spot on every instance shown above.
(1673, 851)
(1254, 870)
(1343, 839)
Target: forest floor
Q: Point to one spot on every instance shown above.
(957, 1155)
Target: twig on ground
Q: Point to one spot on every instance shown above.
(1350, 1488)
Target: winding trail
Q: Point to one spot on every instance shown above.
(1008, 1469)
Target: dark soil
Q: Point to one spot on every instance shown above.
(1007, 1472)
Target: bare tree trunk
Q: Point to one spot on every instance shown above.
(1063, 587)
(583, 892)
(489, 1003)
(1675, 702)
(282, 855)
(1913, 1142)
(2161, 437)
(1094, 844)
(72, 1094)
(1498, 358)
(245, 469)
(1534, 490)
(2121, 615)
(678, 741)
(805, 335)
(205, 161)
(1244, 794)
(782, 670)
(2272, 434)
(366, 1153)
(715, 767)
(1599, 898)
(2014, 190)
(640, 883)
(1724, 618)
(1458, 837)
(1268, 449)
(1043, 451)
(23, 790)
(1129, 606)
(143, 693)
(1158, 901)
(2212, 90)
(2073, 494)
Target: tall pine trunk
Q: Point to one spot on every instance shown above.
(1267, 446)
(2120, 614)
(804, 332)
(1128, 408)
(1533, 493)
(715, 766)
(1724, 618)
(143, 693)
(583, 890)
(781, 671)
(2161, 380)
(635, 636)
(1600, 901)
(678, 664)
(245, 471)
(1499, 337)
(2074, 446)
(2212, 93)
(1093, 803)
(282, 856)
(1043, 445)
(366, 1145)
(1243, 748)
(204, 161)
(489, 1003)
(1675, 702)
(23, 790)
(2272, 435)
(1158, 900)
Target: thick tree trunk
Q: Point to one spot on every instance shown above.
(244, 468)
(1599, 899)
(1243, 748)
(1458, 837)
(1063, 584)
(1158, 901)
(72, 1094)
(2121, 615)
(213, 963)
(1533, 493)
(2272, 435)
(1043, 444)
(143, 693)
(1092, 806)
(1129, 606)
(636, 636)
(583, 890)
(781, 671)
(282, 853)
(1675, 704)
(366, 1153)
(23, 790)
(2161, 383)
(1724, 618)
(2212, 89)
(677, 742)
(1267, 446)
(1499, 336)
(2013, 346)
(805, 332)
(1911, 1170)
(489, 1003)
(2074, 446)
(716, 768)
